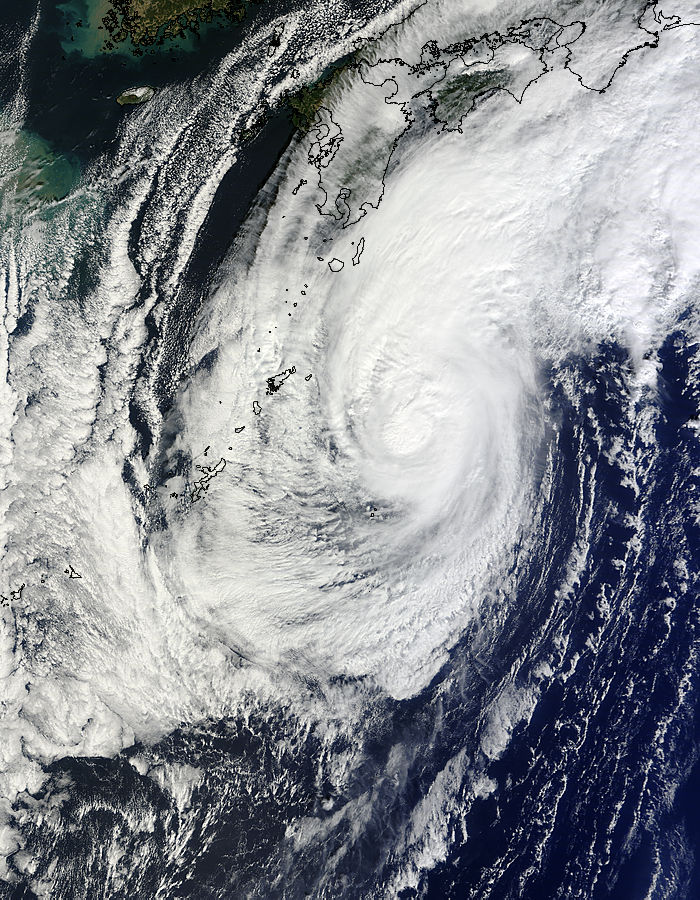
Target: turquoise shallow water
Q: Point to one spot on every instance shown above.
(567, 800)
(72, 83)
(81, 30)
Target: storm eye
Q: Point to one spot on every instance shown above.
(349, 449)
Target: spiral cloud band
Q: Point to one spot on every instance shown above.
(404, 470)
(326, 558)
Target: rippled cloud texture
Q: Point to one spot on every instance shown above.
(447, 274)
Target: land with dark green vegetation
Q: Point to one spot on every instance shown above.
(307, 101)
(462, 92)
(148, 22)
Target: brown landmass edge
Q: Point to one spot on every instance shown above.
(126, 20)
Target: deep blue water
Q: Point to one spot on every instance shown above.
(582, 773)
(79, 118)
(581, 802)
(71, 97)
(643, 667)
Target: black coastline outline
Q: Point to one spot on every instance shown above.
(432, 56)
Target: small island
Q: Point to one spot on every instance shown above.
(135, 95)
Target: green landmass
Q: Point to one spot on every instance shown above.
(250, 133)
(460, 92)
(147, 22)
(306, 102)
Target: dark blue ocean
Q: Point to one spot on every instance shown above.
(597, 794)
(588, 800)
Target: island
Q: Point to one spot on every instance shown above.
(275, 382)
(134, 95)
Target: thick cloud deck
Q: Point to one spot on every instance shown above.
(387, 486)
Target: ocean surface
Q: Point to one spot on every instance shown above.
(350, 477)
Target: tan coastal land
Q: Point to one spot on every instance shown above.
(148, 22)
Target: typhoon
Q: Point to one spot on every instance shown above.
(352, 550)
